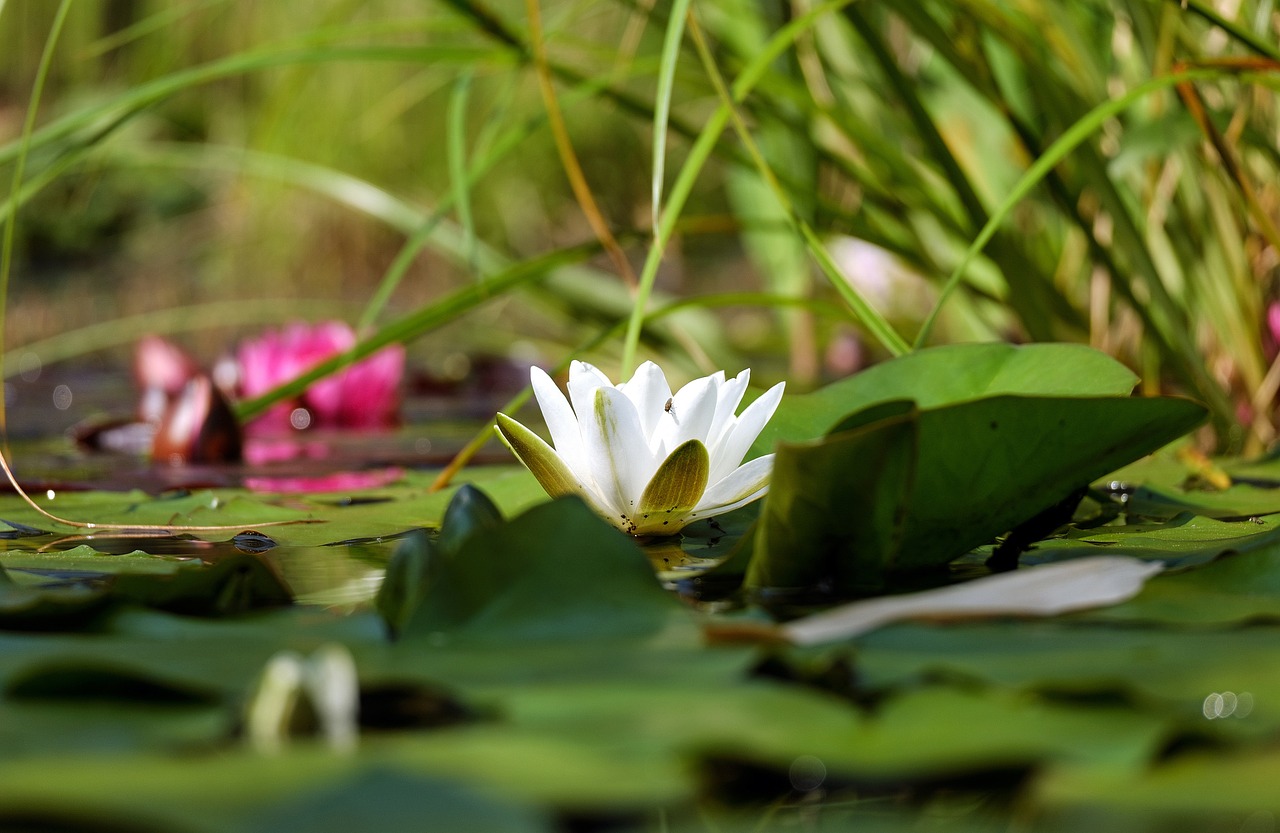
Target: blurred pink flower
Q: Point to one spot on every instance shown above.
(1271, 336)
(161, 370)
(364, 395)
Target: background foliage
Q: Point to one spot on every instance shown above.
(226, 151)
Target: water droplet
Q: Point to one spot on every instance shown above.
(62, 397)
(51, 494)
(300, 418)
(807, 773)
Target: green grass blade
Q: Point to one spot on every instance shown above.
(15, 189)
(1078, 133)
(456, 130)
(662, 101)
(704, 145)
(863, 312)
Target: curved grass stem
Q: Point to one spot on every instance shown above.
(703, 146)
(564, 146)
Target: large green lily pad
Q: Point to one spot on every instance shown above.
(918, 489)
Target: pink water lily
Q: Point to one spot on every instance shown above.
(364, 395)
(647, 460)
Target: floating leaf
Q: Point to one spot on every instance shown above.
(556, 572)
(17, 530)
(1207, 790)
(84, 561)
(1167, 671)
(1238, 587)
(407, 580)
(981, 469)
(97, 682)
(380, 798)
(946, 375)
(469, 511)
(836, 506)
(31, 608)
(1180, 541)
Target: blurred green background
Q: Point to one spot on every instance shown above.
(274, 160)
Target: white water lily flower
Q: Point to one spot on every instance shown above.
(647, 460)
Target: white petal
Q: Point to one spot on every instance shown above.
(649, 392)
(616, 454)
(1044, 590)
(583, 381)
(741, 433)
(560, 420)
(748, 482)
(727, 400)
(692, 409)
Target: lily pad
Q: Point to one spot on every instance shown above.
(1237, 588)
(836, 510)
(946, 375)
(556, 572)
(1183, 540)
(981, 468)
(1160, 670)
(1200, 791)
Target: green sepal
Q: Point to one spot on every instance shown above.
(539, 458)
